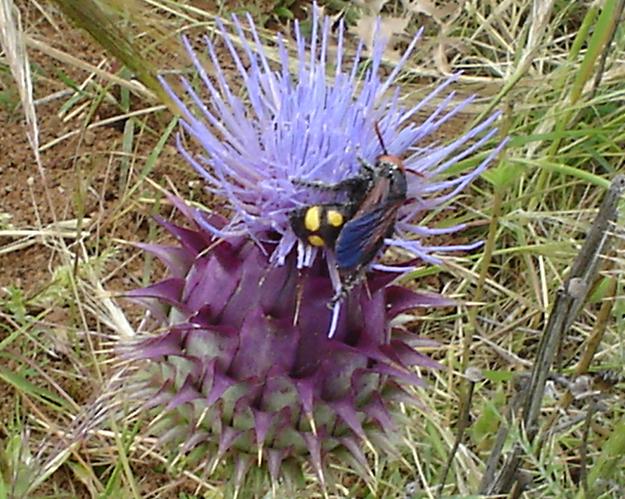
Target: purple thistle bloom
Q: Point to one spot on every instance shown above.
(244, 369)
(313, 126)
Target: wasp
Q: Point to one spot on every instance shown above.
(320, 224)
(356, 229)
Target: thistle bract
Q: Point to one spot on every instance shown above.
(244, 368)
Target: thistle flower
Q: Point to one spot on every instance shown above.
(245, 368)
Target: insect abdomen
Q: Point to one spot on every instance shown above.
(320, 225)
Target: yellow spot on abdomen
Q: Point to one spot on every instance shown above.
(335, 218)
(312, 220)
(316, 241)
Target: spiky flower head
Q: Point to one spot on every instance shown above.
(312, 125)
(245, 368)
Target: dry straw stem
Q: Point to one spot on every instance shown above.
(66, 229)
(69, 59)
(14, 47)
(592, 344)
(539, 24)
(12, 43)
(569, 300)
(100, 21)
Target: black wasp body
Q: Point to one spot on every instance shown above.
(320, 224)
(356, 229)
(374, 218)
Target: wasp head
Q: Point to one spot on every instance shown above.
(389, 162)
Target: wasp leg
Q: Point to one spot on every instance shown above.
(317, 184)
(352, 184)
(351, 281)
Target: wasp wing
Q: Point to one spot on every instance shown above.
(362, 237)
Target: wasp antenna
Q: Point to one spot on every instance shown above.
(379, 134)
(415, 172)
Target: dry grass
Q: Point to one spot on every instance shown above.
(553, 69)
